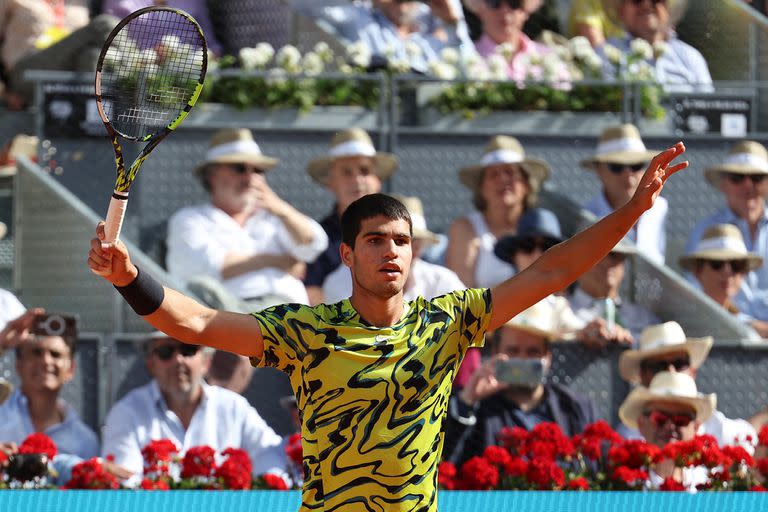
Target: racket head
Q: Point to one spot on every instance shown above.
(150, 72)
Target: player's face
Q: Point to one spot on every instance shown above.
(44, 364)
(381, 258)
(177, 371)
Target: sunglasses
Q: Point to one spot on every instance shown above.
(680, 364)
(660, 419)
(737, 266)
(529, 245)
(246, 168)
(619, 168)
(736, 179)
(654, 2)
(512, 4)
(166, 352)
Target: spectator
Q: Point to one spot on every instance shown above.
(664, 347)
(178, 405)
(504, 184)
(539, 230)
(38, 34)
(741, 179)
(407, 34)
(197, 8)
(10, 306)
(596, 299)
(669, 409)
(488, 403)
(424, 279)
(619, 162)
(230, 371)
(719, 264)
(247, 242)
(351, 169)
(588, 18)
(502, 22)
(44, 365)
(19, 145)
(678, 65)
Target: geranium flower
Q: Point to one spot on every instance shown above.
(39, 443)
(478, 474)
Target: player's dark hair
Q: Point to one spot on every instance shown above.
(367, 207)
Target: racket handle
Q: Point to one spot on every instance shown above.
(115, 216)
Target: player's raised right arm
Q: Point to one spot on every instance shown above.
(169, 311)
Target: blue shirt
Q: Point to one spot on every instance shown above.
(681, 68)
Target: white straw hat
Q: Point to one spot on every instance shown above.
(745, 157)
(541, 319)
(721, 242)
(235, 146)
(621, 145)
(502, 149)
(352, 142)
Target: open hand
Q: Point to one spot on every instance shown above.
(659, 170)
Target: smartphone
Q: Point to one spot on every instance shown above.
(527, 373)
(55, 325)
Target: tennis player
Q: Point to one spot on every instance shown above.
(372, 373)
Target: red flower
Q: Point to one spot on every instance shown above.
(670, 484)
(516, 467)
(154, 485)
(628, 476)
(514, 439)
(545, 474)
(578, 484)
(479, 475)
(293, 449)
(762, 465)
(633, 453)
(158, 455)
(198, 461)
(762, 436)
(601, 430)
(236, 470)
(39, 443)
(758, 488)
(497, 455)
(3, 458)
(274, 482)
(547, 440)
(90, 474)
(589, 447)
(240, 457)
(446, 475)
(738, 455)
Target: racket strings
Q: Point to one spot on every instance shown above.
(151, 71)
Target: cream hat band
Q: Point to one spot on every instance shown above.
(418, 221)
(238, 146)
(733, 244)
(501, 156)
(747, 159)
(352, 148)
(619, 145)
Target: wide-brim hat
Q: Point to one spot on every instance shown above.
(745, 157)
(502, 149)
(534, 223)
(235, 146)
(418, 220)
(676, 10)
(667, 387)
(621, 145)
(352, 142)
(656, 340)
(721, 242)
(21, 145)
(541, 319)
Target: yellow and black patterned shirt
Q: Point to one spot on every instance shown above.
(373, 399)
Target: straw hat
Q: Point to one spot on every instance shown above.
(721, 242)
(668, 387)
(352, 142)
(3, 230)
(534, 223)
(502, 149)
(661, 339)
(235, 146)
(418, 221)
(745, 157)
(676, 10)
(541, 319)
(620, 145)
(21, 145)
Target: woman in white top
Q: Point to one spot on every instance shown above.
(504, 184)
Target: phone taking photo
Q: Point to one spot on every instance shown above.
(55, 325)
(527, 373)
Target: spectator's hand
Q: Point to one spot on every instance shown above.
(7, 449)
(267, 198)
(444, 10)
(297, 269)
(111, 261)
(17, 330)
(116, 470)
(483, 382)
(596, 334)
(621, 336)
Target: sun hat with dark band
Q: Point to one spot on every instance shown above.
(620, 145)
(721, 242)
(745, 157)
(235, 146)
(352, 142)
(502, 149)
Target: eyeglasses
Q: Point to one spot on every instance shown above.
(737, 266)
(619, 168)
(528, 245)
(513, 4)
(245, 168)
(166, 352)
(660, 419)
(680, 364)
(654, 2)
(736, 178)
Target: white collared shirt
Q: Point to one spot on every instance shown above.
(223, 419)
(200, 237)
(10, 307)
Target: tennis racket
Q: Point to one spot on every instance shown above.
(149, 76)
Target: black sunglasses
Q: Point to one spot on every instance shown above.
(661, 418)
(513, 4)
(619, 168)
(244, 168)
(166, 352)
(680, 364)
(738, 266)
(738, 178)
(654, 2)
(528, 245)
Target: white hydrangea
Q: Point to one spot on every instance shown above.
(324, 51)
(147, 57)
(660, 48)
(359, 54)
(388, 51)
(450, 55)
(506, 50)
(113, 56)
(480, 72)
(564, 52)
(398, 65)
(248, 58)
(170, 41)
(413, 50)
(552, 66)
(641, 48)
(580, 47)
(612, 53)
(443, 70)
(289, 58)
(471, 60)
(497, 66)
(594, 61)
(312, 64)
(277, 77)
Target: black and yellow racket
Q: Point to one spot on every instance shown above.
(149, 76)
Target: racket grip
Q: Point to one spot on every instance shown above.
(115, 215)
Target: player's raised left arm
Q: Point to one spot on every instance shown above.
(561, 265)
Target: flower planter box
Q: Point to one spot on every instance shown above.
(216, 115)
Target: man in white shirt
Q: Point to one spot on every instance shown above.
(425, 279)
(247, 243)
(178, 405)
